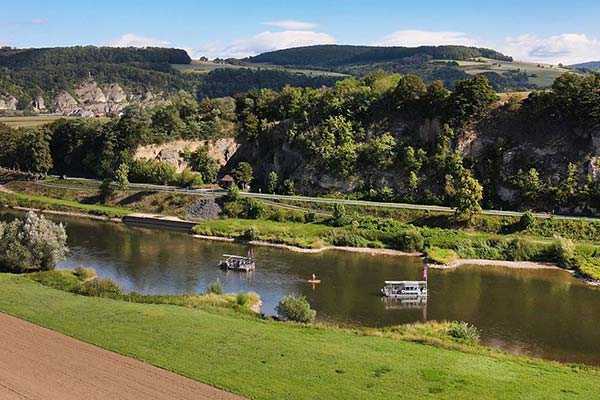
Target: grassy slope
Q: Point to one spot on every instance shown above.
(43, 202)
(266, 360)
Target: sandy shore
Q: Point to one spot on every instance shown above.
(497, 263)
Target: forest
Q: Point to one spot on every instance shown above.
(386, 137)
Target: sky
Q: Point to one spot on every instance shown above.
(530, 30)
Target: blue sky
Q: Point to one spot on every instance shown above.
(542, 31)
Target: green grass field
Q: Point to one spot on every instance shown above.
(268, 360)
(545, 74)
(30, 121)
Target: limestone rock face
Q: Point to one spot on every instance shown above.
(221, 150)
(38, 104)
(65, 104)
(90, 93)
(114, 93)
(8, 103)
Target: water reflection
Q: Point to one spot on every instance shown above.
(538, 312)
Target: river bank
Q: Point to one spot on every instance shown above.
(174, 223)
(267, 360)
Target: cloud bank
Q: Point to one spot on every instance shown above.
(567, 48)
(414, 38)
(292, 25)
(264, 42)
(133, 40)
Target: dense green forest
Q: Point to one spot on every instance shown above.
(386, 137)
(331, 56)
(227, 82)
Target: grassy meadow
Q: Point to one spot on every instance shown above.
(263, 359)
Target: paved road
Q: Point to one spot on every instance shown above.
(39, 364)
(321, 200)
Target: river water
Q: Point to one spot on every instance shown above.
(544, 313)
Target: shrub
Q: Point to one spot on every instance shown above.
(441, 256)
(464, 332)
(250, 234)
(310, 217)
(296, 308)
(254, 209)
(521, 249)
(410, 240)
(527, 221)
(32, 243)
(564, 251)
(215, 287)
(247, 299)
(85, 274)
(339, 218)
(99, 288)
(153, 172)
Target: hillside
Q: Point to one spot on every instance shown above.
(97, 81)
(592, 65)
(446, 63)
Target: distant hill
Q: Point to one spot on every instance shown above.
(53, 79)
(446, 63)
(592, 65)
(336, 56)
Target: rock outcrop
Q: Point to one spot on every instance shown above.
(8, 103)
(89, 99)
(221, 150)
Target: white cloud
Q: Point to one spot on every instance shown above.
(413, 38)
(292, 25)
(39, 21)
(263, 42)
(567, 48)
(133, 40)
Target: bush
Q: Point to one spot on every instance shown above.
(61, 279)
(85, 274)
(339, 218)
(152, 172)
(310, 217)
(247, 299)
(410, 240)
(250, 234)
(215, 288)
(296, 308)
(564, 251)
(32, 243)
(463, 332)
(441, 256)
(527, 221)
(99, 288)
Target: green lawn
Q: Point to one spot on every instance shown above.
(43, 202)
(290, 233)
(268, 360)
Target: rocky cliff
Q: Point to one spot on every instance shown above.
(89, 99)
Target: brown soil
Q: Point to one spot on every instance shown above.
(39, 364)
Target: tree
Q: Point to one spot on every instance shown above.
(201, 162)
(289, 188)
(243, 174)
(466, 193)
(34, 151)
(471, 99)
(32, 243)
(122, 177)
(272, 182)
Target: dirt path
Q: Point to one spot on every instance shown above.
(39, 364)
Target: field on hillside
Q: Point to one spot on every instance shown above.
(542, 75)
(197, 67)
(30, 121)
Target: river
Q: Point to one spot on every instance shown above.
(543, 313)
